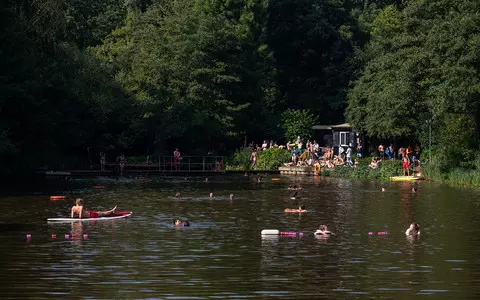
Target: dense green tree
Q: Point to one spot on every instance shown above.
(312, 43)
(421, 64)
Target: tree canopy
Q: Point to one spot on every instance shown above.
(146, 76)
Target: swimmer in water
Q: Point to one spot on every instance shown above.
(259, 180)
(211, 195)
(294, 196)
(322, 230)
(414, 189)
(206, 179)
(178, 223)
(177, 195)
(383, 189)
(231, 196)
(414, 229)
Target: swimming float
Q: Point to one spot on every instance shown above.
(295, 210)
(403, 178)
(295, 189)
(275, 178)
(57, 197)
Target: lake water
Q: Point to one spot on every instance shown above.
(223, 256)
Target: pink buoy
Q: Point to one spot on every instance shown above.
(54, 236)
(370, 233)
(85, 236)
(301, 233)
(29, 235)
(67, 236)
(382, 233)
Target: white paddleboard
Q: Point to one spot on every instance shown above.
(89, 219)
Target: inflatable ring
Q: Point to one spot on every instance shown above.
(316, 169)
(275, 178)
(57, 197)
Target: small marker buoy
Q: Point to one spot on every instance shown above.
(54, 236)
(29, 235)
(370, 233)
(85, 236)
(382, 233)
(67, 236)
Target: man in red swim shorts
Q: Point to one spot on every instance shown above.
(86, 214)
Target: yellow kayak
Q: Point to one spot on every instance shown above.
(404, 178)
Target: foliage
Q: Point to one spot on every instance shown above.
(272, 158)
(298, 123)
(385, 170)
(240, 160)
(144, 76)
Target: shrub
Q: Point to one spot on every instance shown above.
(272, 158)
(240, 160)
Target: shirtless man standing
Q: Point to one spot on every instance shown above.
(86, 214)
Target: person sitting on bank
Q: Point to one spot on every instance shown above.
(338, 161)
(374, 163)
(78, 210)
(414, 229)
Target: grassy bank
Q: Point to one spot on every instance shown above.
(385, 170)
(437, 170)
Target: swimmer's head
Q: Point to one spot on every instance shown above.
(79, 201)
(383, 189)
(322, 227)
(231, 196)
(177, 195)
(415, 227)
(177, 222)
(211, 195)
(414, 189)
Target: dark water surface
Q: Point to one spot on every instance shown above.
(223, 256)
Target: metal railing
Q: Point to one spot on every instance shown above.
(191, 163)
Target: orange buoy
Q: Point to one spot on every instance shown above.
(98, 187)
(57, 197)
(275, 178)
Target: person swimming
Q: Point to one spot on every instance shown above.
(211, 195)
(177, 195)
(179, 223)
(231, 196)
(414, 229)
(322, 230)
(294, 196)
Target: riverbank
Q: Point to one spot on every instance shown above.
(272, 159)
